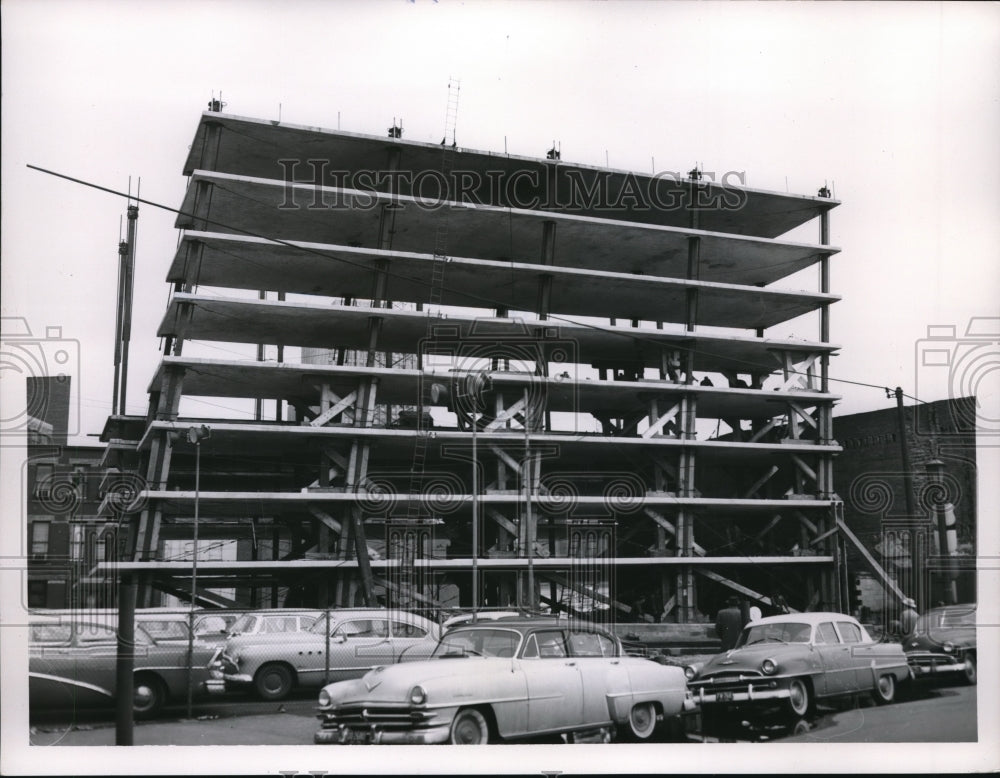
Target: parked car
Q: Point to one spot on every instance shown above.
(210, 625)
(480, 615)
(273, 620)
(792, 660)
(943, 644)
(356, 641)
(163, 624)
(506, 679)
(72, 663)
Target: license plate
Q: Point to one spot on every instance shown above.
(724, 696)
(357, 737)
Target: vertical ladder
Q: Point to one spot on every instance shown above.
(436, 284)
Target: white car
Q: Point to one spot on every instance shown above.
(507, 679)
(339, 644)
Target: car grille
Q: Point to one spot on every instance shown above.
(931, 660)
(732, 676)
(381, 716)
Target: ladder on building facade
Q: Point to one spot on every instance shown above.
(435, 292)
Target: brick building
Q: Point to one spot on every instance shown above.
(66, 534)
(871, 483)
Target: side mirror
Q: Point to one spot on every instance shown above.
(339, 639)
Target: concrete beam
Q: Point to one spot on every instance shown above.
(236, 320)
(244, 262)
(250, 147)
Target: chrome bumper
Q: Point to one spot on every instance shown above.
(215, 686)
(237, 678)
(750, 695)
(344, 735)
(919, 670)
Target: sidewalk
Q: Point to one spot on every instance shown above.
(274, 729)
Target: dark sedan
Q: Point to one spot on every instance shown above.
(943, 644)
(72, 664)
(790, 661)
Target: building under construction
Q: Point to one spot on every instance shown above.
(484, 380)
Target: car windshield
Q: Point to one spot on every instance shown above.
(243, 624)
(165, 630)
(779, 632)
(945, 619)
(478, 642)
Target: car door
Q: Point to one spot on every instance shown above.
(57, 677)
(358, 645)
(860, 657)
(554, 682)
(409, 639)
(600, 672)
(838, 668)
(97, 651)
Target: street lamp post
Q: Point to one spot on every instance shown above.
(195, 435)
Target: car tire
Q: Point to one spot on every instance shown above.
(885, 690)
(642, 721)
(970, 672)
(469, 728)
(273, 681)
(800, 697)
(148, 695)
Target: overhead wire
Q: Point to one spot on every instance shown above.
(634, 334)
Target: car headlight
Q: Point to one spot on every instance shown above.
(949, 646)
(690, 672)
(417, 695)
(768, 666)
(324, 698)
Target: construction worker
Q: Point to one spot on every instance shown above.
(729, 623)
(908, 618)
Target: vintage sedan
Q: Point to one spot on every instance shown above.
(943, 644)
(72, 663)
(344, 644)
(507, 679)
(792, 660)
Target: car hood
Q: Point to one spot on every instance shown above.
(750, 657)
(392, 683)
(935, 640)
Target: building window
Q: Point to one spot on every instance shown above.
(39, 538)
(43, 480)
(76, 541)
(37, 594)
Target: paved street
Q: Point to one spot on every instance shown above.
(933, 714)
(936, 715)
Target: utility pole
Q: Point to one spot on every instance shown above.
(916, 565)
(195, 435)
(911, 509)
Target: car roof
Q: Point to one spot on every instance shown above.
(536, 622)
(342, 614)
(812, 617)
(971, 606)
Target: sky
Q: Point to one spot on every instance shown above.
(895, 106)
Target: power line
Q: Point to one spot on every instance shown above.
(491, 302)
